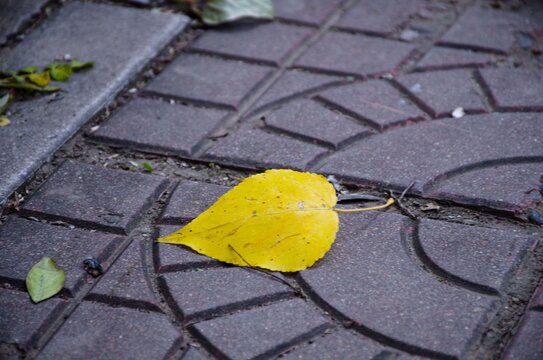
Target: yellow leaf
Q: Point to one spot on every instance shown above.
(281, 220)
(4, 121)
(41, 79)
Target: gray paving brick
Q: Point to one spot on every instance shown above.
(537, 300)
(40, 126)
(207, 80)
(310, 12)
(380, 17)
(486, 29)
(441, 57)
(250, 333)
(111, 333)
(455, 146)
(257, 148)
(376, 102)
(24, 243)
(338, 345)
(510, 89)
(126, 281)
(153, 125)
(205, 293)
(190, 199)
(444, 91)
(15, 13)
(527, 343)
(293, 83)
(193, 354)
(478, 255)
(309, 119)
(354, 54)
(266, 42)
(21, 320)
(95, 196)
(369, 278)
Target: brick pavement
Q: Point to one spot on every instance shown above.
(329, 86)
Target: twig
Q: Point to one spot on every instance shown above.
(402, 207)
(406, 190)
(273, 276)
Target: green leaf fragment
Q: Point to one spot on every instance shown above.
(27, 86)
(28, 70)
(45, 279)
(4, 121)
(60, 72)
(41, 79)
(80, 65)
(5, 101)
(220, 11)
(147, 167)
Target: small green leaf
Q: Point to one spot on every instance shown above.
(5, 101)
(80, 65)
(45, 279)
(60, 72)
(4, 121)
(220, 11)
(41, 79)
(28, 70)
(27, 86)
(147, 167)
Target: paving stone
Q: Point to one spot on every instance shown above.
(527, 343)
(24, 243)
(307, 118)
(309, 12)
(294, 83)
(338, 345)
(15, 13)
(510, 89)
(153, 125)
(431, 153)
(257, 148)
(250, 333)
(537, 300)
(111, 333)
(190, 199)
(208, 81)
(478, 255)
(502, 186)
(442, 58)
(486, 29)
(96, 196)
(375, 102)
(266, 42)
(380, 17)
(126, 282)
(369, 278)
(444, 91)
(206, 293)
(40, 126)
(346, 54)
(21, 320)
(193, 354)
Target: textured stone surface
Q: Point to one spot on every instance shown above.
(478, 255)
(153, 125)
(200, 294)
(537, 300)
(444, 91)
(486, 29)
(189, 199)
(510, 89)
(381, 17)
(21, 319)
(250, 333)
(454, 146)
(441, 57)
(111, 333)
(338, 345)
(207, 80)
(527, 343)
(309, 119)
(24, 243)
(38, 127)
(193, 354)
(126, 282)
(267, 42)
(310, 12)
(375, 102)
(257, 148)
(354, 54)
(370, 278)
(15, 13)
(96, 196)
(293, 83)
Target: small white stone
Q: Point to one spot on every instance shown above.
(458, 113)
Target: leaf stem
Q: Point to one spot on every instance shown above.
(389, 202)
